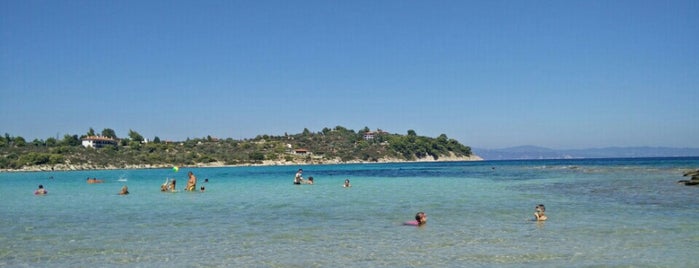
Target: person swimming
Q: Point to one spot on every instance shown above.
(420, 219)
(164, 186)
(41, 190)
(539, 214)
(347, 183)
(169, 185)
(124, 190)
(94, 180)
(309, 181)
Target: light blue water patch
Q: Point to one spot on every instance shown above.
(611, 212)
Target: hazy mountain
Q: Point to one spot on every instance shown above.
(534, 152)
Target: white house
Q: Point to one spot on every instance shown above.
(98, 141)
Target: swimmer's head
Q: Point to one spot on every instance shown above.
(421, 217)
(41, 186)
(540, 208)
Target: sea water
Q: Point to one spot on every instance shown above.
(602, 212)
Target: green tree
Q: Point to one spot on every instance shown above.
(91, 132)
(108, 132)
(51, 142)
(20, 142)
(135, 136)
(70, 140)
(156, 139)
(37, 143)
(256, 156)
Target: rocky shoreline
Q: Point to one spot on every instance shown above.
(88, 166)
(694, 175)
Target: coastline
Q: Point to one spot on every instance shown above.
(76, 167)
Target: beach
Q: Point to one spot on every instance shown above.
(602, 212)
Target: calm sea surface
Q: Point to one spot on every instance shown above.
(603, 212)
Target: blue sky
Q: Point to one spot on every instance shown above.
(491, 74)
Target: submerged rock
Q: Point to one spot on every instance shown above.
(695, 178)
(693, 173)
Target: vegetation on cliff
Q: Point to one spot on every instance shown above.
(338, 144)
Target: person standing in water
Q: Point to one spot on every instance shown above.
(299, 177)
(191, 183)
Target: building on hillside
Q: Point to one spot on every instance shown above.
(301, 151)
(98, 141)
(370, 135)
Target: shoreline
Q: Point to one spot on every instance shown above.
(80, 167)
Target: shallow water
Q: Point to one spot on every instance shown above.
(602, 212)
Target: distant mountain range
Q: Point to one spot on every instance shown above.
(535, 152)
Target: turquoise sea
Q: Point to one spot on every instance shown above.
(602, 212)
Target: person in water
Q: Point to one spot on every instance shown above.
(191, 183)
(299, 177)
(202, 189)
(124, 190)
(41, 190)
(309, 181)
(539, 214)
(347, 184)
(165, 185)
(168, 185)
(172, 187)
(420, 219)
(93, 180)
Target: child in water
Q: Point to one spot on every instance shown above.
(420, 219)
(539, 214)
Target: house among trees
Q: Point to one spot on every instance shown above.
(98, 141)
(369, 135)
(301, 151)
